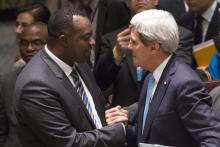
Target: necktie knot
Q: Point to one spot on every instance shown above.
(74, 75)
(151, 81)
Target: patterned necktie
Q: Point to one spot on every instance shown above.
(198, 32)
(150, 86)
(80, 89)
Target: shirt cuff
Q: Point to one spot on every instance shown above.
(117, 56)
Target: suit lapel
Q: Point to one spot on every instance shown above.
(159, 94)
(214, 26)
(64, 81)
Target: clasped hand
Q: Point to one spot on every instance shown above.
(116, 115)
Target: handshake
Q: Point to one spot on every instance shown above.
(117, 115)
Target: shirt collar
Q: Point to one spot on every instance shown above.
(65, 67)
(159, 70)
(207, 15)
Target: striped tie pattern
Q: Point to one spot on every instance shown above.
(80, 90)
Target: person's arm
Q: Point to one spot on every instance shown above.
(184, 51)
(41, 108)
(112, 50)
(4, 124)
(194, 108)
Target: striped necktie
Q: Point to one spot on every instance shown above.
(81, 91)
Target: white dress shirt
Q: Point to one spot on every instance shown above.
(207, 15)
(67, 70)
(158, 72)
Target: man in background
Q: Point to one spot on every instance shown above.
(32, 39)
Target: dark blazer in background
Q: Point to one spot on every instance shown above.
(113, 14)
(126, 88)
(51, 113)
(8, 137)
(187, 21)
(175, 7)
(179, 114)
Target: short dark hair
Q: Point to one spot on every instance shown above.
(61, 22)
(39, 12)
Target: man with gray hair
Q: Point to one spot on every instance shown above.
(174, 106)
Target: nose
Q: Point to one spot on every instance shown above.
(92, 42)
(18, 29)
(29, 48)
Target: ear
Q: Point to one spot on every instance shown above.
(155, 48)
(62, 37)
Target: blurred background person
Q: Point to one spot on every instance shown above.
(24, 15)
(27, 15)
(203, 19)
(31, 40)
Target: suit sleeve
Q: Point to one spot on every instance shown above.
(41, 109)
(106, 70)
(184, 51)
(4, 124)
(193, 106)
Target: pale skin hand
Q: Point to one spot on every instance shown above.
(123, 39)
(116, 115)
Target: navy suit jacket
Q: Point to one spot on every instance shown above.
(50, 112)
(179, 114)
(175, 7)
(187, 21)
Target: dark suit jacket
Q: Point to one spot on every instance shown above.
(175, 7)
(187, 21)
(179, 113)
(113, 14)
(215, 94)
(126, 88)
(51, 113)
(8, 137)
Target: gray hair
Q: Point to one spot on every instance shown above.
(157, 26)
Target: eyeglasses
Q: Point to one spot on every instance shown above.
(37, 44)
